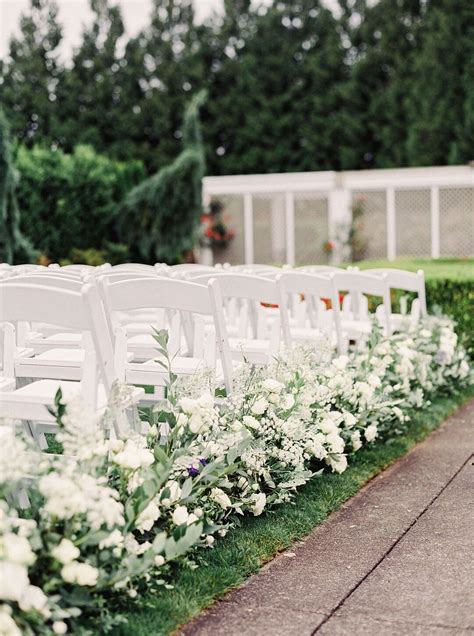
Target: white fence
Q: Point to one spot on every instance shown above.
(406, 212)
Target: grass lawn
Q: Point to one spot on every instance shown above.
(244, 550)
(455, 269)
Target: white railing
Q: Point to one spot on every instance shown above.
(406, 212)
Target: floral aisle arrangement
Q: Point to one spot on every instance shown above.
(109, 517)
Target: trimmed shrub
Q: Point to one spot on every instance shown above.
(160, 217)
(69, 201)
(455, 298)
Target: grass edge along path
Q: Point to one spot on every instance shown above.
(246, 549)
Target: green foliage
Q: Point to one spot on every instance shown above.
(13, 245)
(159, 218)
(449, 288)
(380, 84)
(247, 548)
(69, 201)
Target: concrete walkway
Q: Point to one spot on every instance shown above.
(398, 558)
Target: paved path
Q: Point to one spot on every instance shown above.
(396, 559)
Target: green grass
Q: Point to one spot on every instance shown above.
(247, 548)
(454, 269)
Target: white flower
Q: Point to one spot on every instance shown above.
(220, 498)
(289, 402)
(147, 517)
(371, 432)
(338, 463)
(159, 560)
(65, 552)
(340, 363)
(59, 627)
(34, 598)
(210, 539)
(328, 426)
(114, 540)
(175, 490)
(349, 419)
(180, 515)
(336, 443)
(259, 501)
(17, 549)
(355, 439)
(251, 422)
(80, 573)
(8, 627)
(273, 386)
(133, 456)
(13, 581)
(260, 406)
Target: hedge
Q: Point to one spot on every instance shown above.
(68, 201)
(454, 297)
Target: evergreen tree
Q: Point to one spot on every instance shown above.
(275, 95)
(13, 245)
(91, 93)
(159, 217)
(384, 46)
(30, 75)
(440, 105)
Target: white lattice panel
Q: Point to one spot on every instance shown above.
(269, 235)
(234, 219)
(311, 229)
(373, 222)
(413, 222)
(456, 215)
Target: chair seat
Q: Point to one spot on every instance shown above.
(151, 372)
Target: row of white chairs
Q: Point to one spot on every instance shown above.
(81, 328)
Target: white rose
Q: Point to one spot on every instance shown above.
(147, 517)
(336, 443)
(349, 419)
(371, 433)
(289, 402)
(35, 599)
(17, 549)
(13, 580)
(220, 498)
(8, 627)
(80, 573)
(251, 421)
(328, 426)
(180, 515)
(188, 405)
(159, 560)
(59, 627)
(210, 539)
(65, 552)
(196, 423)
(338, 463)
(272, 385)
(341, 362)
(259, 502)
(260, 406)
(355, 439)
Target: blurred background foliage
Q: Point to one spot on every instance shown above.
(291, 87)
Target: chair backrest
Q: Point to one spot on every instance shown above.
(317, 269)
(169, 293)
(133, 267)
(247, 286)
(405, 281)
(356, 282)
(190, 267)
(48, 279)
(311, 285)
(78, 310)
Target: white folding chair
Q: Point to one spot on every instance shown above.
(355, 319)
(183, 303)
(320, 290)
(79, 311)
(260, 330)
(409, 282)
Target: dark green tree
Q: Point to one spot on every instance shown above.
(91, 93)
(14, 247)
(275, 91)
(159, 218)
(382, 40)
(440, 115)
(31, 73)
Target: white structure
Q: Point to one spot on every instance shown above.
(288, 217)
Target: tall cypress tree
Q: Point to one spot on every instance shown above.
(91, 93)
(14, 247)
(31, 73)
(439, 107)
